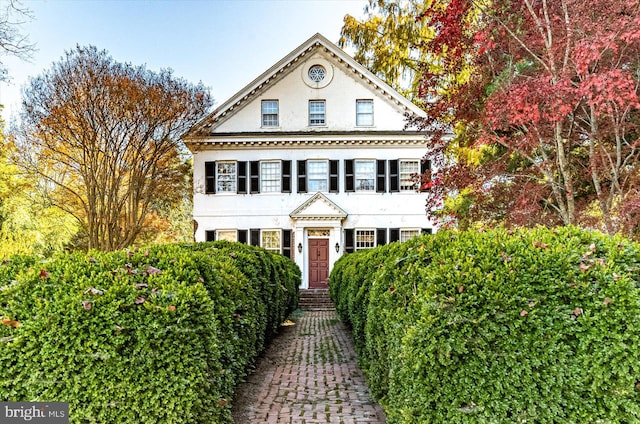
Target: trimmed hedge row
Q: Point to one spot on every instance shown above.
(497, 327)
(163, 334)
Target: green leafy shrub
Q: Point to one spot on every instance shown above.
(531, 326)
(163, 334)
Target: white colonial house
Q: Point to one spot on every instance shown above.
(311, 159)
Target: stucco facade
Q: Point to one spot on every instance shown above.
(311, 159)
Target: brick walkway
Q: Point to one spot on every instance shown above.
(308, 375)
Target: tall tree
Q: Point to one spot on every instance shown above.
(547, 123)
(388, 40)
(104, 136)
(12, 41)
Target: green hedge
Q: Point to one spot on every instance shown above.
(498, 327)
(163, 334)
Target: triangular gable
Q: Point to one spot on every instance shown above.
(318, 207)
(284, 67)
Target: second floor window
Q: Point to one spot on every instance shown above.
(270, 177)
(317, 175)
(269, 113)
(364, 112)
(409, 170)
(317, 112)
(226, 177)
(365, 175)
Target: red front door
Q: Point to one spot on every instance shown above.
(318, 263)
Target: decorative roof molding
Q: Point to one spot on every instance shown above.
(282, 68)
(195, 145)
(319, 208)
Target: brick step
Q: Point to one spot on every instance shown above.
(315, 300)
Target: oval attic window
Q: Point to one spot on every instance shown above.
(317, 73)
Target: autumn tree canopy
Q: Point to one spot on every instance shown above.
(546, 123)
(103, 136)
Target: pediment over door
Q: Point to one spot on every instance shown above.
(318, 208)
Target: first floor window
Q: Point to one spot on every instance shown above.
(365, 174)
(364, 112)
(270, 177)
(409, 170)
(317, 175)
(269, 113)
(226, 177)
(365, 239)
(316, 112)
(270, 240)
(408, 234)
(228, 235)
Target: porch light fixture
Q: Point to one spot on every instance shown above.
(299, 247)
(337, 248)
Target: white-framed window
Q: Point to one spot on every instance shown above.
(317, 110)
(270, 176)
(317, 175)
(270, 240)
(226, 177)
(364, 112)
(269, 113)
(409, 234)
(228, 235)
(365, 239)
(408, 172)
(365, 175)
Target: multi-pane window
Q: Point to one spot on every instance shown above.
(317, 112)
(409, 169)
(269, 113)
(270, 240)
(229, 235)
(317, 175)
(364, 112)
(365, 175)
(408, 234)
(270, 176)
(365, 239)
(226, 177)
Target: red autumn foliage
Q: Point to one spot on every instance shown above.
(552, 102)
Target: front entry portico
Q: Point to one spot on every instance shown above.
(317, 227)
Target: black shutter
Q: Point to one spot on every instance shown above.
(425, 165)
(333, 176)
(426, 231)
(394, 176)
(381, 236)
(242, 177)
(210, 177)
(286, 243)
(286, 176)
(210, 235)
(242, 236)
(349, 178)
(254, 176)
(394, 234)
(349, 246)
(425, 174)
(381, 176)
(302, 176)
(255, 237)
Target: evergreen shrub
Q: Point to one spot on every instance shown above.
(159, 335)
(498, 327)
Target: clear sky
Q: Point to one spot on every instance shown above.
(223, 43)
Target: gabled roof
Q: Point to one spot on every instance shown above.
(318, 207)
(286, 65)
